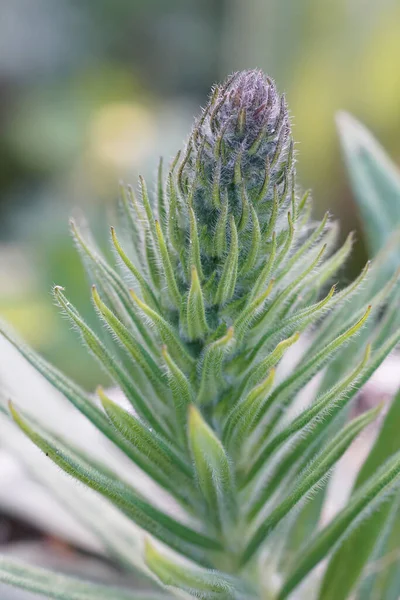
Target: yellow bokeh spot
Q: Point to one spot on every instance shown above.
(34, 320)
(122, 134)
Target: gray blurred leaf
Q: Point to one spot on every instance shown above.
(375, 182)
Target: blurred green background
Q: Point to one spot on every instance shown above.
(95, 91)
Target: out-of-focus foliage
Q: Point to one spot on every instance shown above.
(327, 56)
(91, 91)
(376, 185)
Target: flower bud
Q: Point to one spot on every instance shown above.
(240, 146)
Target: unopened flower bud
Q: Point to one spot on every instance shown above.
(241, 144)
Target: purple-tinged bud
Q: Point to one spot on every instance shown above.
(232, 201)
(241, 144)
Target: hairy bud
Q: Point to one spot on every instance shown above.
(237, 169)
(241, 144)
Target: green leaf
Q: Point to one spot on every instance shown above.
(245, 319)
(270, 228)
(169, 336)
(269, 312)
(168, 269)
(150, 236)
(266, 270)
(194, 248)
(380, 301)
(244, 413)
(173, 533)
(357, 297)
(174, 231)
(107, 275)
(376, 184)
(145, 288)
(182, 392)
(62, 587)
(244, 217)
(310, 479)
(298, 321)
(135, 349)
(161, 204)
(369, 497)
(120, 540)
(305, 316)
(257, 373)
(254, 249)
(298, 452)
(381, 577)
(132, 220)
(227, 282)
(335, 262)
(211, 367)
(195, 311)
(348, 562)
(155, 456)
(216, 188)
(265, 184)
(324, 407)
(151, 225)
(111, 365)
(285, 392)
(288, 242)
(220, 230)
(305, 247)
(82, 401)
(213, 469)
(201, 583)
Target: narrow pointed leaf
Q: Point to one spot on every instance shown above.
(111, 277)
(269, 312)
(200, 583)
(294, 456)
(254, 249)
(213, 469)
(62, 587)
(167, 267)
(195, 310)
(313, 476)
(82, 401)
(174, 232)
(330, 402)
(167, 333)
(194, 250)
(110, 364)
(161, 205)
(266, 269)
(304, 373)
(182, 391)
(259, 371)
(137, 351)
(151, 449)
(165, 528)
(221, 229)
(145, 288)
(227, 282)
(244, 413)
(348, 562)
(369, 497)
(375, 181)
(211, 369)
(249, 313)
